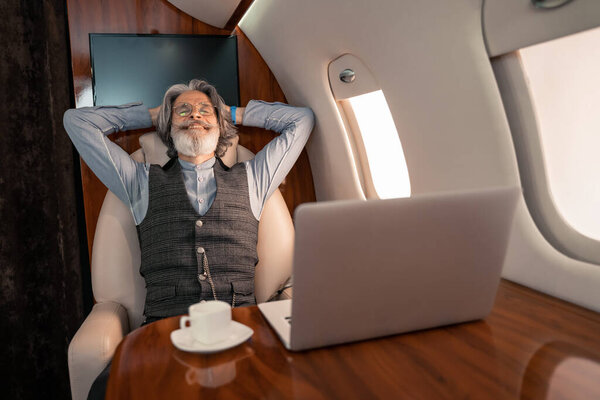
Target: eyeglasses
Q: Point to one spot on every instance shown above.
(186, 109)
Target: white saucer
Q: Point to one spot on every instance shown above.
(183, 340)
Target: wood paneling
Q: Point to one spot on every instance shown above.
(237, 15)
(160, 16)
(514, 353)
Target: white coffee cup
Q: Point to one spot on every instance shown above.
(209, 321)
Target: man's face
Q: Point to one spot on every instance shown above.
(194, 125)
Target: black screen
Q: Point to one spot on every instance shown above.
(128, 68)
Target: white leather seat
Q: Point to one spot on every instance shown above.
(119, 288)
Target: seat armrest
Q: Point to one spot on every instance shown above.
(94, 344)
(285, 294)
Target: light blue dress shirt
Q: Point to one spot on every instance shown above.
(89, 127)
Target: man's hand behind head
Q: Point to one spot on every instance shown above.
(154, 114)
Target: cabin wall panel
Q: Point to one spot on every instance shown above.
(159, 16)
(533, 262)
(433, 66)
(540, 230)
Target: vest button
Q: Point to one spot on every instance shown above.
(200, 250)
(201, 277)
(198, 223)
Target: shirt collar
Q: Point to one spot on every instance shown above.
(208, 164)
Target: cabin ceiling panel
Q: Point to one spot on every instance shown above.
(510, 25)
(215, 13)
(432, 65)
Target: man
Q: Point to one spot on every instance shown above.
(197, 220)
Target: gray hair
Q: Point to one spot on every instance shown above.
(227, 129)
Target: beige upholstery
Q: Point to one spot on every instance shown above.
(119, 289)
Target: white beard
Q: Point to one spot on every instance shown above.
(190, 143)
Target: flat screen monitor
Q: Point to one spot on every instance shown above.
(131, 67)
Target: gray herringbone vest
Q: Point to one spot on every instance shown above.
(174, 240)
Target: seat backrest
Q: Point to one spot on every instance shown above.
(116, 251)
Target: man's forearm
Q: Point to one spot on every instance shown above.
(107, 119)
(270, 165)
(87, 128)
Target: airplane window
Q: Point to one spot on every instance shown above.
(564, 84)
(381, 142)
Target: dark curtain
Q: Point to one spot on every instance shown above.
(41, 302)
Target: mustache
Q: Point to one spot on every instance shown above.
(186, 124)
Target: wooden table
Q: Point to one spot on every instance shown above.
(532, 346)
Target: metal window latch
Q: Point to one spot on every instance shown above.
(347, 76)
(547, 4)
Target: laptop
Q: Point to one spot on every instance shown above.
(367, 269)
